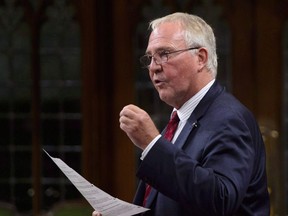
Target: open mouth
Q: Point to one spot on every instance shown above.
(158, 82)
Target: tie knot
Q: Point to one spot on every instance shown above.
(174, 117)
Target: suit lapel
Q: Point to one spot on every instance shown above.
(138, 199)
(151, 197)
(190, 124)
(194, 119)
(139, 195)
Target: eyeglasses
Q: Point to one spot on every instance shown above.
(161, 57)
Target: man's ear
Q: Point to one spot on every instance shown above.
(202, 57)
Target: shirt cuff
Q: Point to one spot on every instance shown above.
(147, 149)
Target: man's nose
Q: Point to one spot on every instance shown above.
(154, 66)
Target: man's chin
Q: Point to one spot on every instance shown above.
(164, 97)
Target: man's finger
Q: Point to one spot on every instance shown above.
(95, 213)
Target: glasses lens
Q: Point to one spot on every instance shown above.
(146, 60)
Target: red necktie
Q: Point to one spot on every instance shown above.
(169, 133)
(172, 126)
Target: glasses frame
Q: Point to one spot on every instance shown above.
(163, 56)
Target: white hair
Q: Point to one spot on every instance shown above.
(196, 33)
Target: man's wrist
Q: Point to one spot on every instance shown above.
(147, 149)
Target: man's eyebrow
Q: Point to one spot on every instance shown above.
(159, 49)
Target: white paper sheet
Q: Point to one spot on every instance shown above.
(98, 199)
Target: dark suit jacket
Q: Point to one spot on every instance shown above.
(215, 167)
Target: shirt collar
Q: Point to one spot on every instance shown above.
(188, 107)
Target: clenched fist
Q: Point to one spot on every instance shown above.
(138, 125)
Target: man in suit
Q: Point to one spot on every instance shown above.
(215, 162)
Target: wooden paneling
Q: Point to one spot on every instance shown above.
(269, 73)
(96, 94)
(108, 80)
(124, 90)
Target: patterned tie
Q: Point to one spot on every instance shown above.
(169, 133)
(172, 126)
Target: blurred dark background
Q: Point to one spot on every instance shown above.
(67, 67)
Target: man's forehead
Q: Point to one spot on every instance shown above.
(168, 29)
(157, 42)
(166, 34)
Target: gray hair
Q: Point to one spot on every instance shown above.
(196, 33)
